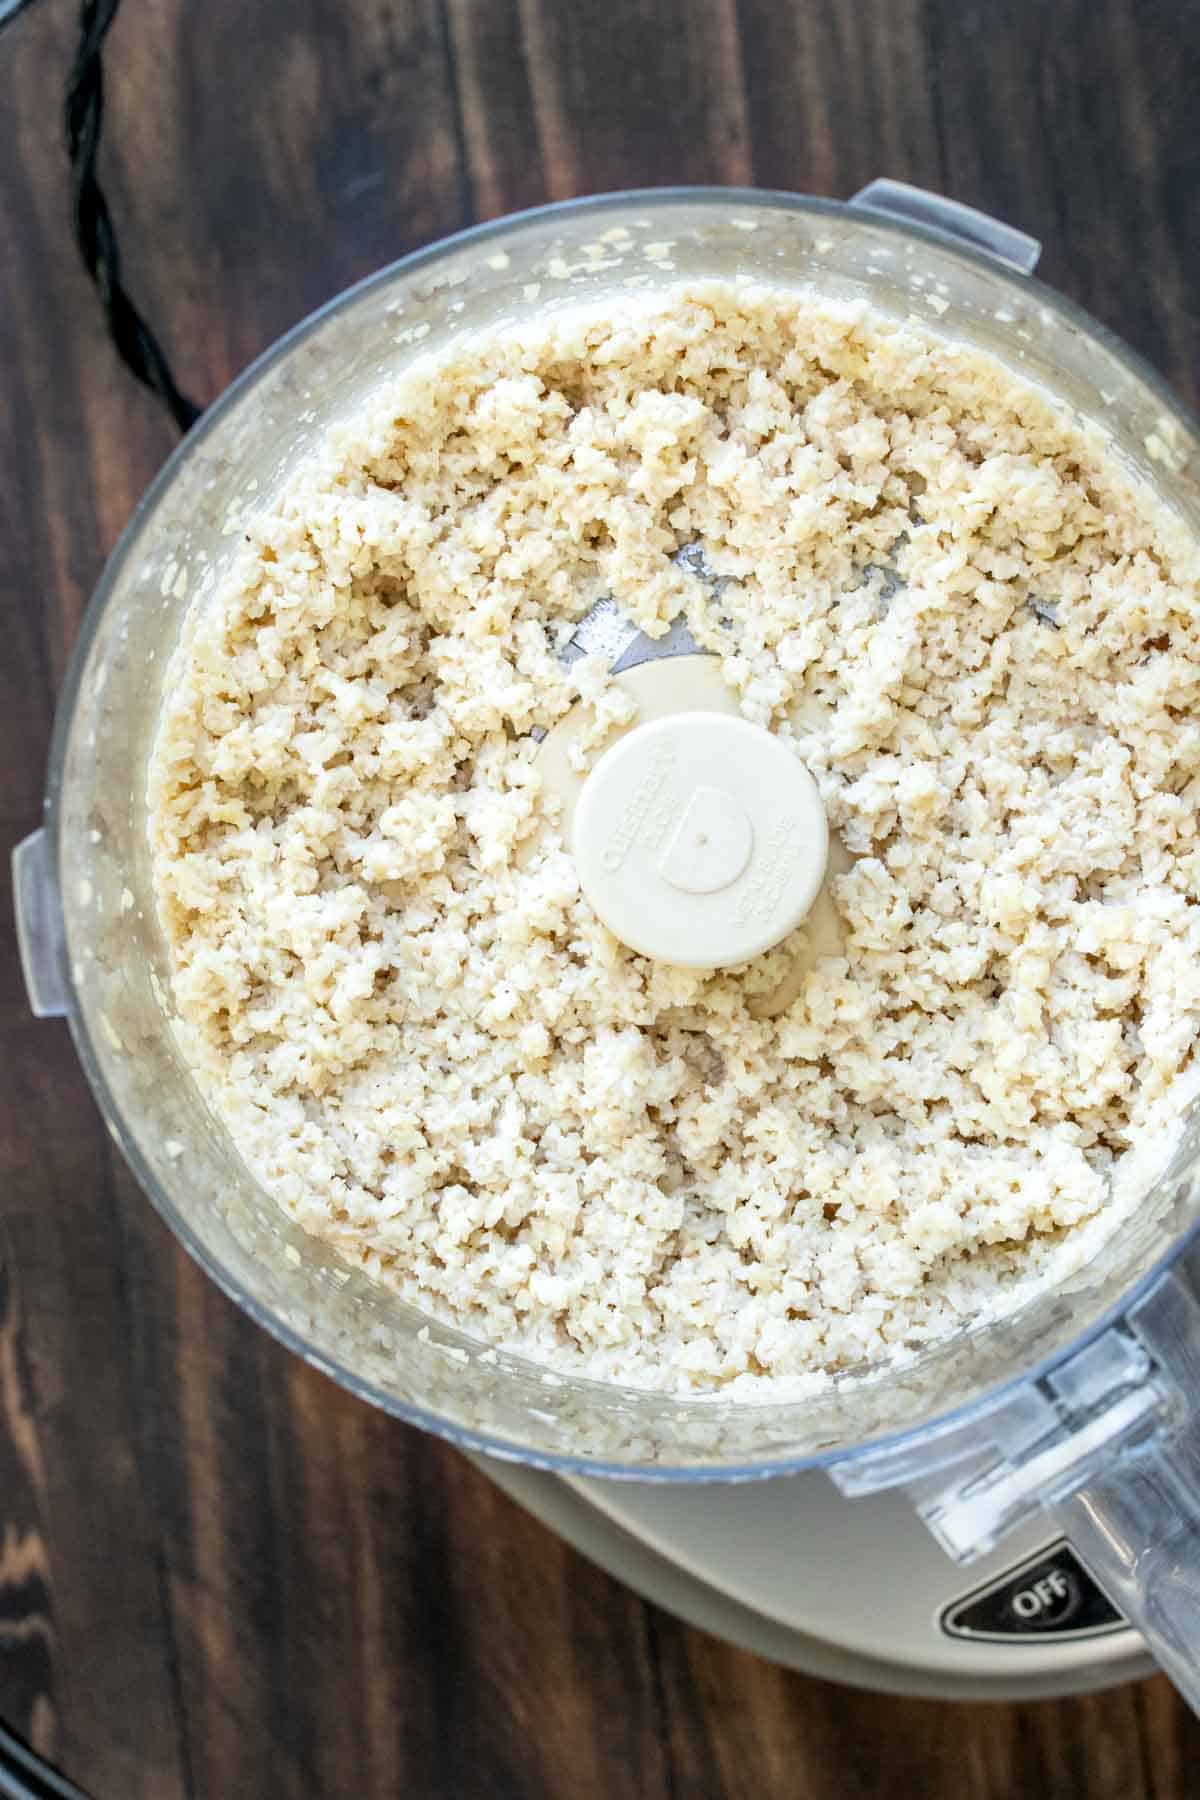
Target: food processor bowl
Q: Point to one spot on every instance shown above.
(1076, 1377)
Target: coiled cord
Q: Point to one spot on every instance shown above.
(95, 233)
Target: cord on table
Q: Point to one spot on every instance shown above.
(24, 1775)
(95, 234)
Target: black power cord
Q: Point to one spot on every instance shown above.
(10, 8)
(95, 234)
(26, 1776)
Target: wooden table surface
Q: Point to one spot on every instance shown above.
(220, 1575)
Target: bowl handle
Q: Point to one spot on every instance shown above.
(40, 936)
(1107, 1446)
(951, 219)
(1135, 1520)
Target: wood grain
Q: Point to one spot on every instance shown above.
(219, 1575)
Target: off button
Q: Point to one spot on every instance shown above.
(1051, 1594)
(1047, 1601)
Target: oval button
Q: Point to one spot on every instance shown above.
(711, 844)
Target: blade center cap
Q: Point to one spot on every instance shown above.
(700, 839)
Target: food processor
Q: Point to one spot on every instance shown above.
(1012, 1511)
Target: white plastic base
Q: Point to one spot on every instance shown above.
(852, 1591)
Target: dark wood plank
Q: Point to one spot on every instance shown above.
(86, 1641)
(1086, 136)
(27, 1635)
(839, 94)
(638, 93)
(352, 1600)
(82, 1597)
(739, 1730)
(219, 1574)
(500, 137)
(265, 157)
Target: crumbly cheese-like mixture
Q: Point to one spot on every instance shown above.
(422, 1040)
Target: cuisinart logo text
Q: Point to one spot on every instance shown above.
(629, 826)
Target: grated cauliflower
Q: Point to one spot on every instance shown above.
(980, 634)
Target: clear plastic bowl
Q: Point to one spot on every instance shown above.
(87, 876)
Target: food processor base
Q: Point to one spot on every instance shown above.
(852, 1591)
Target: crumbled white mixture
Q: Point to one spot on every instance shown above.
(424, 1043)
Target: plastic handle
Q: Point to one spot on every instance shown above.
(1108, 1445)
(1135, 1521)
(40, 936)
(917, 206)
